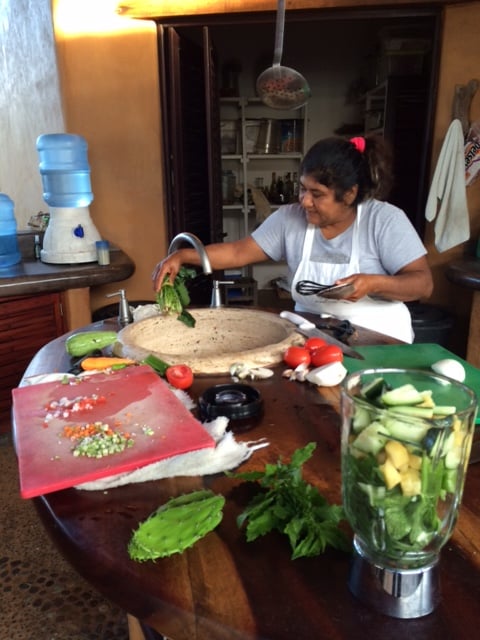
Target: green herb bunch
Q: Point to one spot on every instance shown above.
(293, 507)
(174, 298)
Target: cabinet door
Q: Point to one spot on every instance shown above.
(191, 130)
(407, 128)
(26, 324)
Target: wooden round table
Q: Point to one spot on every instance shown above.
(224, 588)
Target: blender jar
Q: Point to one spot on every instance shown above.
(406, 440)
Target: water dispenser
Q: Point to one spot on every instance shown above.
(9, 253)
(71, 235)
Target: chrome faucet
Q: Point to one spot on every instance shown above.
(206, 266)
(196, 244)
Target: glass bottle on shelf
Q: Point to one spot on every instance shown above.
(295, 186)
(228, 187)
(288, 187)
(272, 193)
(280, 191)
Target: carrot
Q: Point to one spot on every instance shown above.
(103, 362)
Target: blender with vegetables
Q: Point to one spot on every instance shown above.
(406, 440)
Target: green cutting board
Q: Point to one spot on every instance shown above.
(410, 356)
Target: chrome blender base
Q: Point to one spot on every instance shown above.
(400, 593)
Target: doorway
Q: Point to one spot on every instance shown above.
(345, 55)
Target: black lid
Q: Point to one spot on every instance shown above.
(234, 401)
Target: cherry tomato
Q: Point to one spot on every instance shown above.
(294, 356)
(314, 343)
(325, 355)
(179, 376)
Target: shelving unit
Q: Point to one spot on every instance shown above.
(255, 145)
(375, 107)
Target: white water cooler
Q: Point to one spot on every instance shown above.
(70, 236)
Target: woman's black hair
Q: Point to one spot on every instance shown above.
(337, 163)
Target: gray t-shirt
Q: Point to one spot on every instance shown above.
(387, 239)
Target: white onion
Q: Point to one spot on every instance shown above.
(450, 368)
(327, 376)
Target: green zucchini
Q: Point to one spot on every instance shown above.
(373, 389)
(79, 344)
(404, 395)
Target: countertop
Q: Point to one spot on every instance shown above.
(31, 276)
(465, 272)
(225, 588)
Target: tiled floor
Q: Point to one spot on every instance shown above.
(41, 596)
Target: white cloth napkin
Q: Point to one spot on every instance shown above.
(447, 199)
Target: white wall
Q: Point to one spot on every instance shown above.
(30, 101)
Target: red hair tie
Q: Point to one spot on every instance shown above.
(358, 143)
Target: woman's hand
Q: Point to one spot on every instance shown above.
(169, 266)
(412, 282)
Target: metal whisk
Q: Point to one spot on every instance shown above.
(309, 288)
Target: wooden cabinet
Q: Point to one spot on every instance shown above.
(26, 324)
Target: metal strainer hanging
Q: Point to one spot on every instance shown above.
(281, 87)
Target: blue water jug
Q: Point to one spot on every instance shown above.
(65, 170)
(9, 253)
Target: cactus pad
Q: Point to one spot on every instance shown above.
(176, 525)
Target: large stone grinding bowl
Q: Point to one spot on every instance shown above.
(220, 338)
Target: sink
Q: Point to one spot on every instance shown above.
(220, 338)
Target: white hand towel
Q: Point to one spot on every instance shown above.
(447, 198)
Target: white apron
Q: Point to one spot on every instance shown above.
(391, 318)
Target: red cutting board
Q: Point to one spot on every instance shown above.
(137, 401)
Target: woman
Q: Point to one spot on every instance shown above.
(340, 232)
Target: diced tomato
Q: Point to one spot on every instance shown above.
(294, 356)
(325, 355)
(314, 343)
(179, 376)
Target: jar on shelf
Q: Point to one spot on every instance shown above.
(228, 187)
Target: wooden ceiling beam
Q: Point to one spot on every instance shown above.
(167, 8)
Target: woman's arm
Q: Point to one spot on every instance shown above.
(412, 282)
(223, 255)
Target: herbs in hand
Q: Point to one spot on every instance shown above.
(292, 506)
(174, 298)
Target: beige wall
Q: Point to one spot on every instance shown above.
(29, 100)
(110, 90)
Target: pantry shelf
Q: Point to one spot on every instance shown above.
(261, 150)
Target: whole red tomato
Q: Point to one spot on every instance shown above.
(314, 343)
(294, 356)
(179, 376)
(326, 354)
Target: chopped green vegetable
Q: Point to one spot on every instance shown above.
(97, 440)
(158, 365)
(187, 318)
(292, 506)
